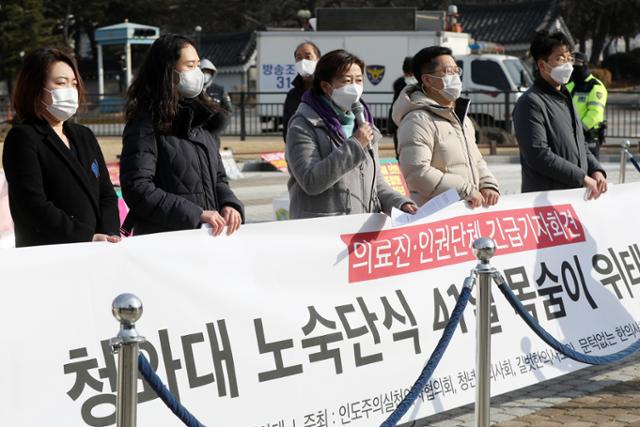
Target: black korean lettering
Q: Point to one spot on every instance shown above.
(619, 268)
(171, 365)
(566, 271)
(342, 312)
(87, 410)
(390, 314)
(195, 380)
(109, 371)
(631, 265)
(222, 353)
(275, 347)
(440, 311)
(322, 341)
(605, 266)
(518, 281)
(635, 252)
(553, 305)
(81, 370)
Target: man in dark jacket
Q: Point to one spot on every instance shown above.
(553, 152)
(399, 84)
(306, 55)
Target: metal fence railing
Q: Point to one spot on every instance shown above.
(260, 113)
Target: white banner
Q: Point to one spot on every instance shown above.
(323, 322)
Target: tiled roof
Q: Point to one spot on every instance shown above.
(510, 23)
(228, 49)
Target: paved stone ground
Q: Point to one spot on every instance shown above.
(605, 396)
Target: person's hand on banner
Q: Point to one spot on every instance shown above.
(475, 199)
(214, 219)
(591, 185)
(409, 208)
(490, 195)
(233, 219)
(106, 238)
(601, 181)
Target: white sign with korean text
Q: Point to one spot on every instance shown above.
(277, 77)
(323, 322)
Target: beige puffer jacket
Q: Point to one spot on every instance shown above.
(437, 151)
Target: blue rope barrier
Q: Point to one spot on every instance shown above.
(634, 161)
(165, 394)
(557, 345)
(431, 365)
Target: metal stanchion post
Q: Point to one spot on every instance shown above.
(624, 153)
(127, 309)
(483, 248)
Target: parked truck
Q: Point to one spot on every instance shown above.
(492, 81)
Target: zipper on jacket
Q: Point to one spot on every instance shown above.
(466, 145)
(364, 186)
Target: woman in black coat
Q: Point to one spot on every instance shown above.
(59, 187)
(171, 172)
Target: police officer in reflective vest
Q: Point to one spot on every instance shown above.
(590, 99)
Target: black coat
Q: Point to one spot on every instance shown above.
(220, 97)
(291, 103)
(56, 196)
(169, 179)
(553, 151)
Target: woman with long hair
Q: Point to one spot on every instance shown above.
(171, 171)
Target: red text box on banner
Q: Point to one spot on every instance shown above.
(403, 250)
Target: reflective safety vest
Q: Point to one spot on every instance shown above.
(590, 99)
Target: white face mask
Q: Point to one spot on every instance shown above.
(64, 103)
(345, 96)
(452, 86)
(191, 83)
(410, 80)
(562, 73)
(306, 67)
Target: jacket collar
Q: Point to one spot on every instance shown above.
(192, 114)
(76, 165)
(544, 86)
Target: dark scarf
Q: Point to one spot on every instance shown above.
(328, 116)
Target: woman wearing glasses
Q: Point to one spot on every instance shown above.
(436, 139)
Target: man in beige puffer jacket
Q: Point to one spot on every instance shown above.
(436, 139)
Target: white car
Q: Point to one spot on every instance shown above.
(486, 80)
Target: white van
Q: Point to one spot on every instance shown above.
(485, 79)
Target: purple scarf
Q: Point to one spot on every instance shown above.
(328, 116)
